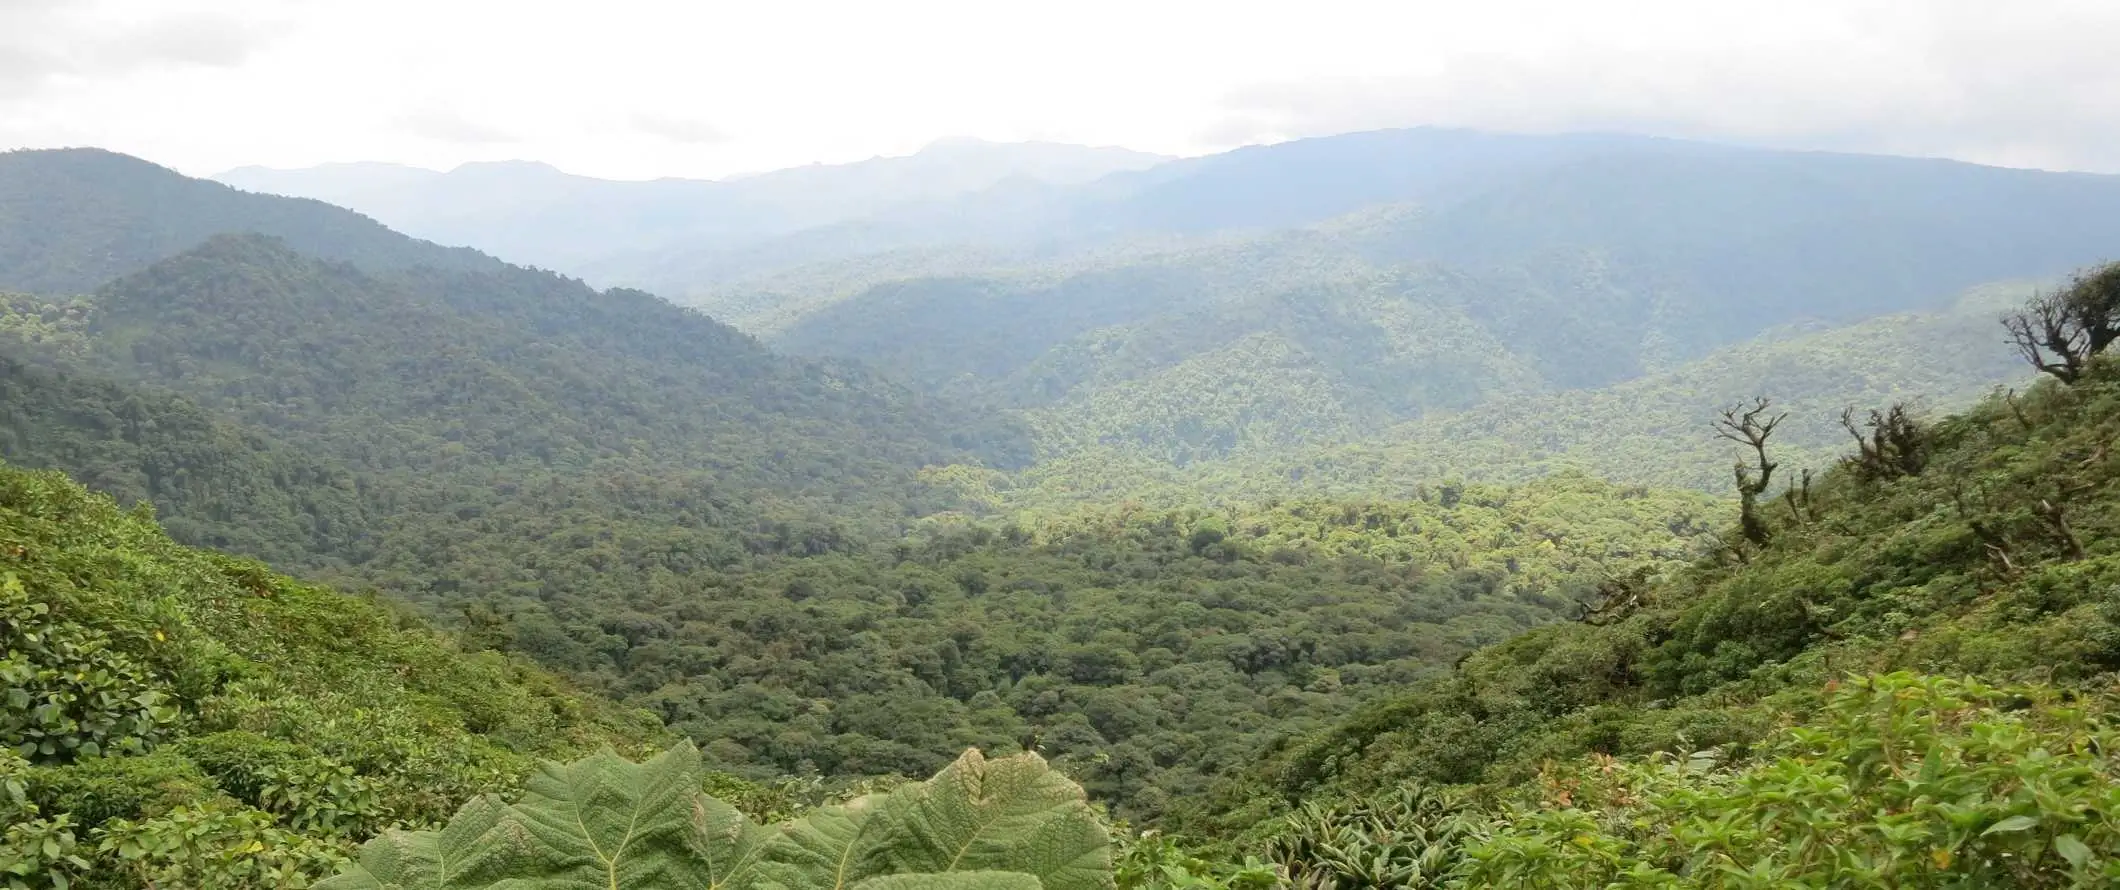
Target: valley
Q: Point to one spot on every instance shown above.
(1343, 512)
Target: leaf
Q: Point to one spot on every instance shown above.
(964, 880)
(599, 822)
(726, 846)
(2013, 823)
(2072, 850)
(603, 822)
(832, 848)
(1012, 814)
(428, 860)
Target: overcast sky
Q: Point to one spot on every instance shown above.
(635, 89)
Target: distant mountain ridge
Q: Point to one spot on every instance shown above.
(72, 219)
(532, 213)
(1502, 267)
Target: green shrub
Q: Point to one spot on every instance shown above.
(94, 790)
(1904, 781)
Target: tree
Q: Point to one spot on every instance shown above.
(1889, 445)
(1749, 425)
(2059, 331)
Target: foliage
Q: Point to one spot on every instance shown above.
(1903, 781)
(1142, 650)
(1410, 838)
(1995, 559)
(1522, 285)
(177, 717)
(605, 822)
(1151, 861)
(70, 690)
(214, 484)
(2061, 332)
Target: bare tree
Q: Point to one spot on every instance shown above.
(2059, 332)
(1888, 445)
(1749, 424)
(1798, 497)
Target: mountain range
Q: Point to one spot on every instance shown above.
(533, 213)
(1352, 502)
(1520, 267)
(1278, 299)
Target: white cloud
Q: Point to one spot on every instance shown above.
(636, 88)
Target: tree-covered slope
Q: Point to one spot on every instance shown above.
(72, 219)
(219, 485)
(360, 298)
(517, 366)
(178, 717)
(1751, 239)
(1651, 430)
(1982, 545)
(1568, 265)
(1248, 419)
(1144, 651)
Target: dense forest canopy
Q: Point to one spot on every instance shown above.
(1358, 512)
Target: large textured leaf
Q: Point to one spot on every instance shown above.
(1010, 814)
(433, 860)
(595, 824)
(833, 848)
(727, 848)
(603, 823)
(968, 880)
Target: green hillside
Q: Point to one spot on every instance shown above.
(218, 485)
(1296, 517)
(515, 367)
(1989, 553)
(1652, 430)
(1142, 650)
(430, 428)
(1223, 306)
(178, 717)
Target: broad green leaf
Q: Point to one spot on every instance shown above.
(832, 848)
(603, 823)
(2072, 849)
(596, 824)
(432, 860)
(1008, 814)
(2013, 823)
(726, 847)
(968, 880)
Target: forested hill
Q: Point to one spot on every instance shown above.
(215, 483)
(73, 219)
(1593, 266)
(1728, 720)
(183, 718)
(515, 366)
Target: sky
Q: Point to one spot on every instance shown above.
(633, 90)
